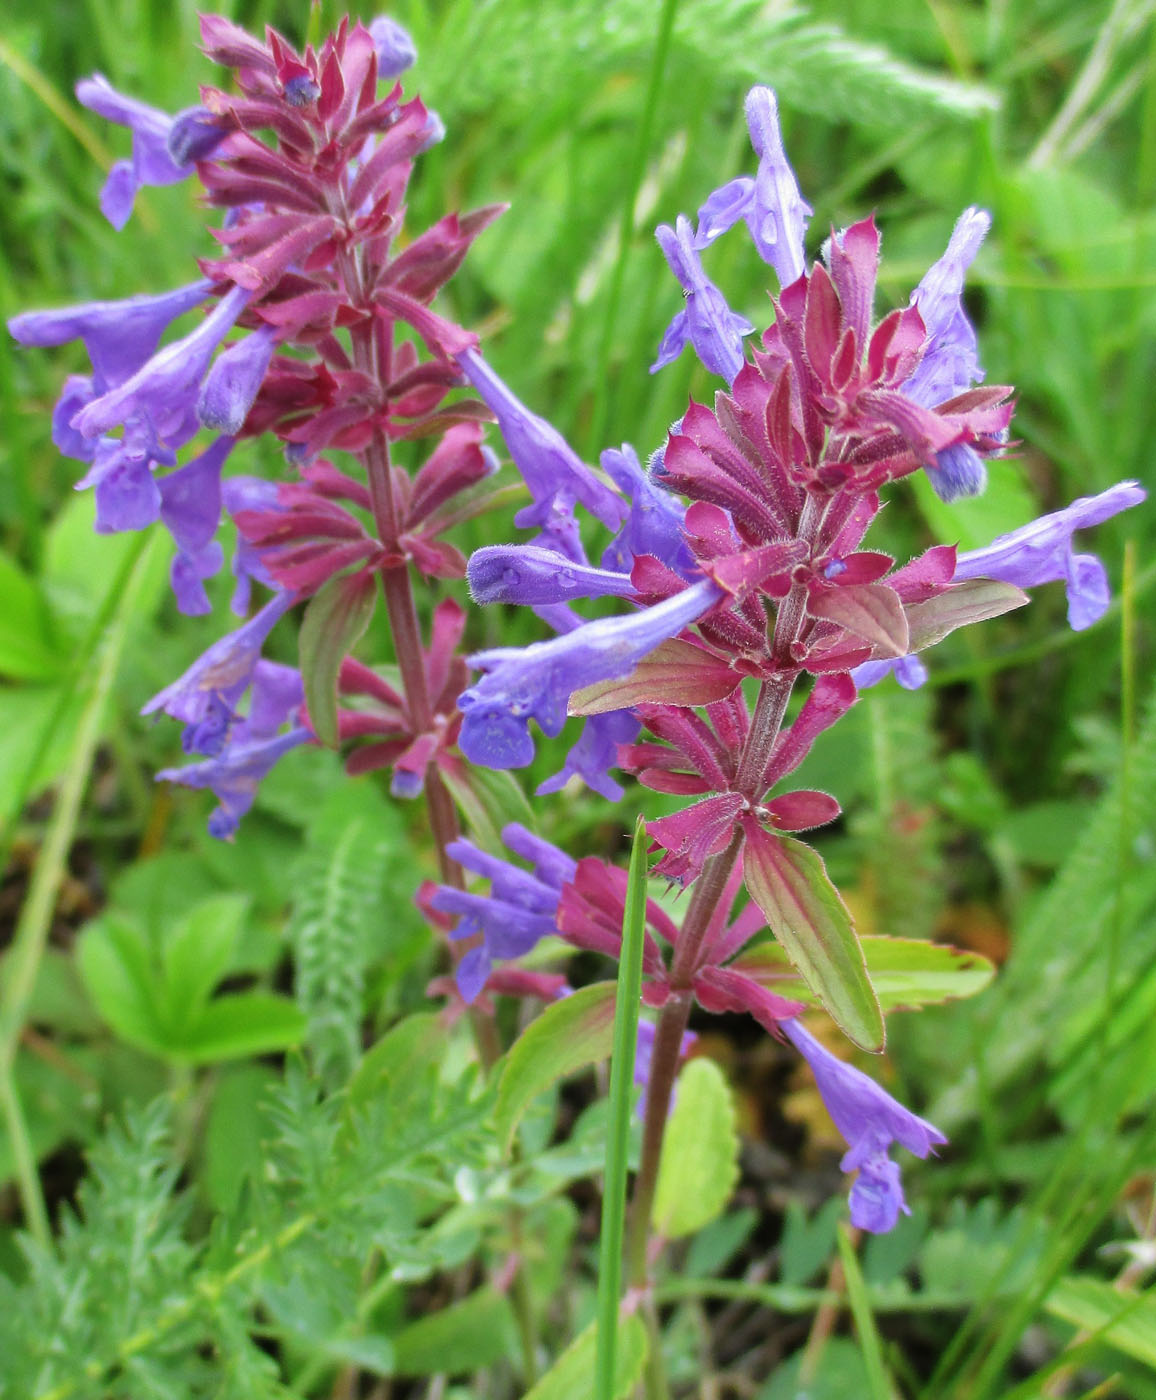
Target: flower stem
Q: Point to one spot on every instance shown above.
(770, 710)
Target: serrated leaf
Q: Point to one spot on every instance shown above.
(790, 884)
(674, 673)
(973, 600)
(700, 1152)
(248, 1023)
(466, 1336)
(335, 618)
(906, 972)
(868, 610)
(572, 1376)
(567, 1036)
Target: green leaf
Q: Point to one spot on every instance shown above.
(197, 955)
(700, 1153)
(335, 618)
(399, 1065)
(572, 1376)
(249, 1023)
(789, 883)
(466, 1336)
(973, 600)
(28, 650)
(568, 1035)
(489, 799)
(1125, 1320)
(906, 972)
(674, 673)
(868, 610)
(116, 964)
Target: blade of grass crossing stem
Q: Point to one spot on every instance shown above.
(869, 1343)
(621, 1084)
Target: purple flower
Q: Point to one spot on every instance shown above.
(164, 389)
(870, 1120)
(548, 464)
(706, 321)
(775, 212)
(233, 382)
(950, 362)
(190, 508)
(206, 696)
(908, 670)
(655, 522)
(248, 493)
(527, 574)
(127, 495)
(395, 49)
(253, 747)
(644, 1055)
(118, 335)
(1042, 553)
(536, 682)
(595, 753)
(520, 909)
(153, 161)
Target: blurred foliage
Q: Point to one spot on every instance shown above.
(276, 1227)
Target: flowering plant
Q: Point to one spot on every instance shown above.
(739, 549)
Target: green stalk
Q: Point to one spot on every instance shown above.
(601, 408)
(31, 935)
(618, 1134)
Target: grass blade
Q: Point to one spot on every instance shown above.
(617, 1138)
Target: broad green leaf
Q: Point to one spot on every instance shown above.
(398, 1066)
(700, 1152)
(905, 972)
(464, 1337)
(232, 1146)
(116, 964)
(1095, 1306)
(973, 600)
(248, 1023)
(572, 1376)
(335, 618)
(28, 650)
(674, 673)
(569, 1034)
(790, 884)
(198, 954)
(489, 799)
(868, 610)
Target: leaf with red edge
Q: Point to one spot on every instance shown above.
(790, 884)
(868, 610)
(336, 617)
(973, 600)
(674, 673)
